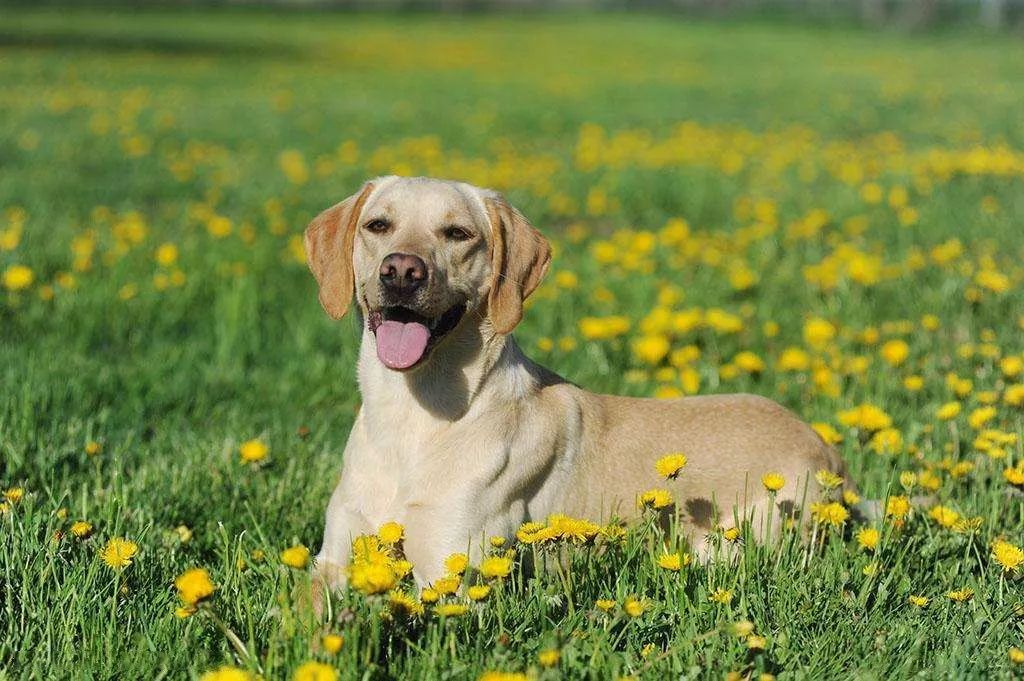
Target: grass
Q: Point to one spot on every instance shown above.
(223, 133)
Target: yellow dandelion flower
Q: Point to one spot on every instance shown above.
(403, 604)
(119, 552)
(605, 604)
(81, 529)
(227, 673)
(456, 563)
(944, 516)
(332, 643)
(919, 601)
(372, 578)
(549, 657)
(14, 494)
(978, 418)
(828, 479)
(655, 498)
(773, 482)
(960, 595)
(635, 607)
(669, 465)
(447, 585)
(1009, 556)
(478, 592)
(194, 585)
(315, 671)
(827, 433)
(948, 411)
(832, 513)
(868, 538)
(742, 628)
(390, 533)
(723, 596)
(673, 561)
(451, 609)
(428, 596)
(496, 567)
(1016, 655)
(18, 277)
(252, 451)
(296, 557)
(897, 507)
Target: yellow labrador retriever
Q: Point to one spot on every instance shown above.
(461, 436)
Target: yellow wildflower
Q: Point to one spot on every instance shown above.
(390, 533)
(332, 643)
(868, 538)
(1009, 556)
(496, 567)
(194, 585)
(119, 552)
(315, 671)
(655, 498)
(669, 465)
(773, 482)
(252, 451)
(296, 556)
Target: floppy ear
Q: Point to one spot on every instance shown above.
(329, 240)
(520, 256)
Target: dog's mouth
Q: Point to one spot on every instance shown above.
(405, 337)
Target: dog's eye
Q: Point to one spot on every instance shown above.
(454, 233)
(377, 226)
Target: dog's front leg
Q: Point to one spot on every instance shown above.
(342, 526)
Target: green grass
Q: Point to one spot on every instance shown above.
(166, 119)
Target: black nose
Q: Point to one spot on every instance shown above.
(402, 273)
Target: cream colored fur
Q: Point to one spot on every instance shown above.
(478, 438)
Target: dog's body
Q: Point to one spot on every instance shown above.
(461, 437)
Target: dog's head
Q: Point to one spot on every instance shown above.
(419, 255)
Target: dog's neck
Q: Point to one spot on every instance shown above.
(471, 360)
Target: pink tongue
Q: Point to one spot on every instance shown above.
(400, 345)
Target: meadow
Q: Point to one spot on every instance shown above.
(825, 216)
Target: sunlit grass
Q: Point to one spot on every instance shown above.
(825, 217)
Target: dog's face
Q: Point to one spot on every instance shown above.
(420, 254)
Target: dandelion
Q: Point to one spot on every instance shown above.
(253, 451)
(428, 595)
(372, 578)
(831, 513)
(194, 586)
(981, 416)
(81, 529)
(92, 448)
(227, 673)
(948, 411)
(1009, 556)
(119, 552)
(496, 567)
(655, 498)
(478, 592)
(404, 604)
(451, 609)
(895, 352)
(918, 601)
(743, 628)
(18, 277)
(944, 516)
(549, 658)
(502, 676)
(960, 595)
(1015, 475)
(456, 563)
(315, 671)
(827, 433)
(773, 482)
(827, 479)
(722, 596)
(868, 538)
(673, 561)
(295, 557)
(390, 533)
(731, 534)
(14, 494)
(635, 607)
(908, 480)
(332, 643)
(1016, 655)
(605, 604)
(755, 642)
(897, 508)
(669, 465)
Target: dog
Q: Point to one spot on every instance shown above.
(461, 437)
